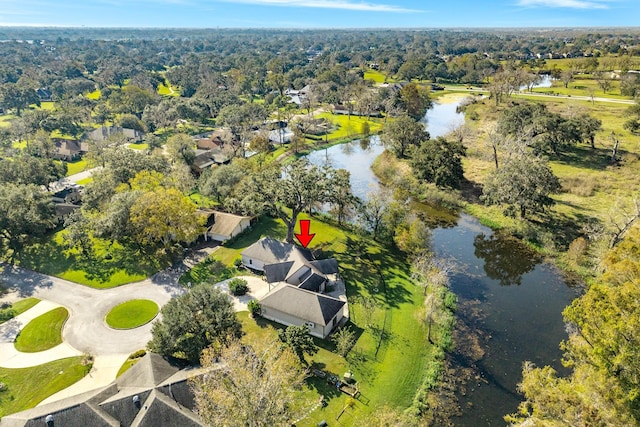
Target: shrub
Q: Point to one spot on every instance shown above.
(254, 307)
(7, 314)
(238, 287)
(138, 354)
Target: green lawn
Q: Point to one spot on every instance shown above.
(85, 181)
(132, 314)
(168, 90)
(583, 87)
(17, 308)
(389, 373)
(377, 77)
(25, 388)
(106, 266)
(48, 105)
(76, 167)
(43, 332)
(349, 127)
(138, 146)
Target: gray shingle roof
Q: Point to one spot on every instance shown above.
(163, 392)
(302, 304)
(326, 266)
(271, 251)
(277, 272)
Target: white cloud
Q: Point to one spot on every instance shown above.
(573, 4)
(328, 4)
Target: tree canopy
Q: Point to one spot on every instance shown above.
(194, 321)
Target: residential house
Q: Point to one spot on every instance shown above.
(69, 194)
(221, 226)
(44, 94)
(153, 392)
(63, 210)
(299, 283)
(105, 132)
(212, 141)
(69, 150)
(281, 136)
(290, 305)
(206, 158)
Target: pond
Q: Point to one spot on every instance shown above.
(510, 302)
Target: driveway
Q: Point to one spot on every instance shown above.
(258, 288)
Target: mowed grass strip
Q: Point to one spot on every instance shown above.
(25, 388)
(24, 304)
(43, 332)
(132, 314)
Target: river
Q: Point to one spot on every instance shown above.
(510, 302)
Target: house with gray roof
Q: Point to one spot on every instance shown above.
(153, 392)
(222, 226)
(291, 305)
(299, 284)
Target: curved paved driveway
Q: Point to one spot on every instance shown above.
(86, 329)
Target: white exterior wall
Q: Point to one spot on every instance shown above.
(289, 320)
(252, 263)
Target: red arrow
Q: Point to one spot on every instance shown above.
(304, 237)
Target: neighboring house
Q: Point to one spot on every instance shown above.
(151, 393)
(214, 140)
(206, 158)
(69, 150)
(290, 305)
(223, 226)
(63, 210)
(105, 132)
(44, 94)
(69, 194)
(281, 136)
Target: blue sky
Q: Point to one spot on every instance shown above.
(321, 13)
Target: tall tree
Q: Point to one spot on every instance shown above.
(194, 321)
(297, 338)
(257, 384)
(403, 133)
(439, 161)
(524, 183)
(415, 100)
(27, 211)
(164, 217)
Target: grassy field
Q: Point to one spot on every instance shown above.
(85, 181)
(132, 314)
(377, 77)
(76, 167)
(348, 127)
(43, 332)
(107, 266)
(391, 353)
(593, 188)
(583, 87)
(25, 388)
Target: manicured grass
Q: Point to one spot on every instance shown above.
(138, 146)
(347, 127)
(24, 304)
(132, 314)
(389, 373)
(105, 266)
(17, 308)
(43, 332)
(85, 181)
(25, 388)
(583, 87)
(76, 167)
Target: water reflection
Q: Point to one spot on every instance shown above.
(505, 259)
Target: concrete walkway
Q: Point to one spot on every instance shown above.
(258, 288)
(103, 372)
